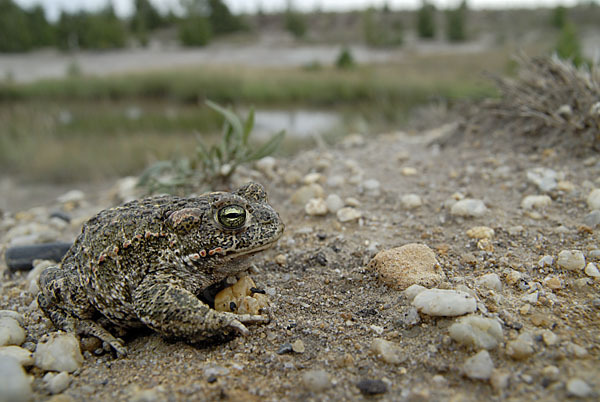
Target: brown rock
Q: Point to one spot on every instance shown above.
(408, 265)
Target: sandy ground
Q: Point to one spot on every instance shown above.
(331, 306)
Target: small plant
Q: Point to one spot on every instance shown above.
(345, 60)
(210, 166)
(568, 46)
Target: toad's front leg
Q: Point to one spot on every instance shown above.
(167, 307)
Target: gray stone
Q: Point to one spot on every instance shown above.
(387, 351)
(490, 281)
(592, 219)
(348, 214)
(592, 270)
(334, 203)
(593, 199)
(15, 385)
(536, 201)
(411, 201)
(572, 260)
(579, 388)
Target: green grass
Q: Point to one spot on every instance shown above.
(85, 128)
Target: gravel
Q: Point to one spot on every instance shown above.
(480, 332)
(444, 302)
(58, 351)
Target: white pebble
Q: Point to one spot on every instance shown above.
(543, 178)
(11, 332)
(479, 367)
(372, 187)
(412, 291)
(521, 348)
(573, 260)
(57, 383)
(536, 201)
(481, 332)
(490, 281)
(266, 165)
(348, 214)
(410, 201)
(546, 261)
(549, 337)
(592, 270)
(593, 199)
(33, 275)
(334, 203)
(468, 207)
(316, 380)
(408, 171)
(305, 193)
(74, 196)
(316, 207)
(579, 388)
(444, 302)
(23, 356)
(15, 384)
(58, 351)
(387, 351)
(312, 178)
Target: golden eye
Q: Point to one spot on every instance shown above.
(231, 216)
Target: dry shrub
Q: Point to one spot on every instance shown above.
(549, 97)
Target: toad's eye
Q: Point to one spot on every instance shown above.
(231, 216)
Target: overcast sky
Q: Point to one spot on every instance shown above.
(124, 7)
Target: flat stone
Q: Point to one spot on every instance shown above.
(444, 302)
(480, 332)
(316, 380)
(372, 387)
(387, 351)
(404, 266)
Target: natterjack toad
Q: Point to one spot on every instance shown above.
(147, 262)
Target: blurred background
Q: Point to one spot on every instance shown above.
(91, 90)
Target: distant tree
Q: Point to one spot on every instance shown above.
(146, 18)
(222, 21)
(14, 28)
(295, 23)
(426, 21)
(559, 17)
(194, 30)
(568, 45)
(42, 33)
(381, 30)
(455, 23)
(100, 30)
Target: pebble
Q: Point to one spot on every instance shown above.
(546, 261)
(408, 171)
(316, 380)
(404, 266)
(292, 177)
(11, 332)
(536, 201)
(499, 379)
(572, 260)
(480, 332)
(312, 178)
(592, 270)
(348, 214)
(23, 356)
(334, 203)
(15, 385)
(298, 346)
(148, 395)
(372, 387)
(387, 351)
(549, 337)
(468, 207)
(490, 281)
(372, 187)
(412, 291)
(73, 196)
(411, 201)
(285, 348)
(543, 178)
(479, 367)
(553, 282)
(480, 232)
(58, 351)
(306, 193)
(316, 207)
(57, 383)
(444, 302)
(521, 348)
(592, 219)
(579, 388)
(593, 199)
(575, 350)
(551, 373)
(34, 275)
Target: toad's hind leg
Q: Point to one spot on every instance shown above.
(65, 304)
